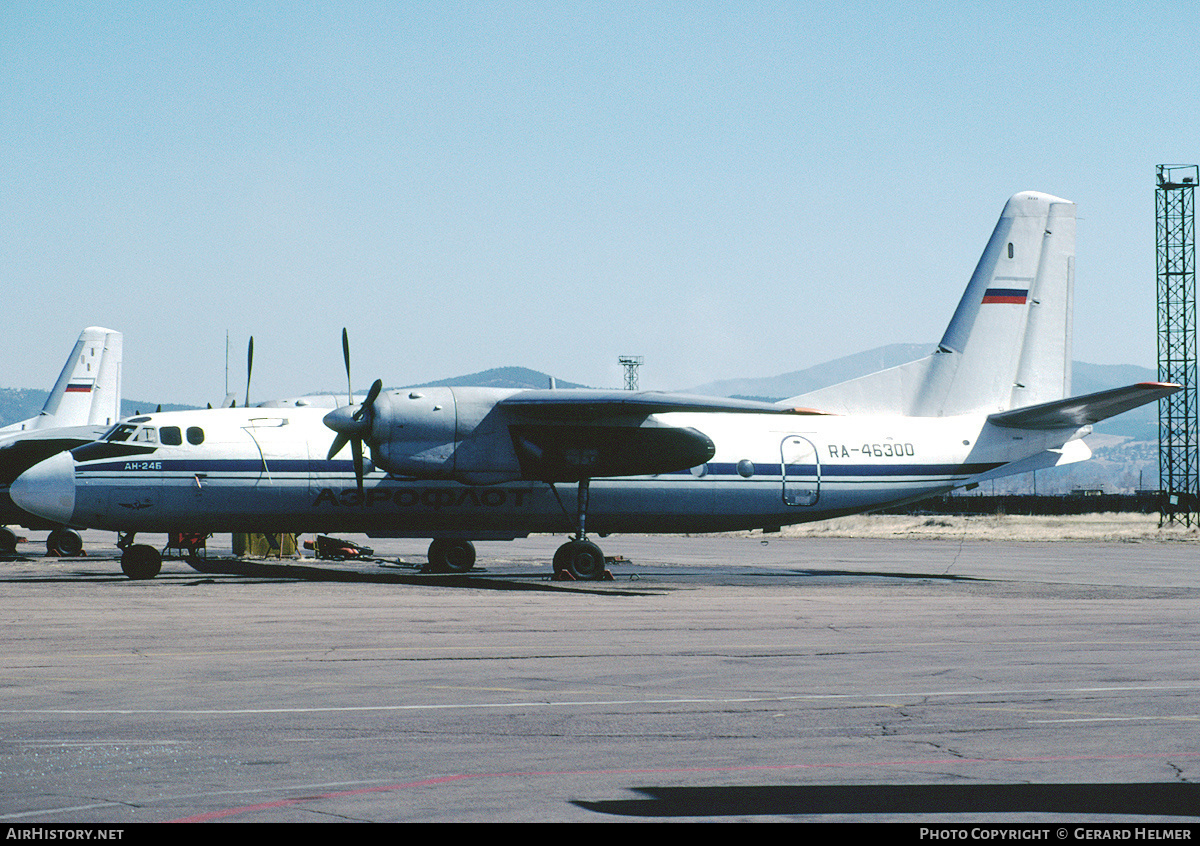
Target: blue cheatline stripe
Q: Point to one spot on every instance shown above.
(774, 471)
(222, 465)
(185, 466)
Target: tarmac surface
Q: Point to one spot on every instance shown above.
(714, 678)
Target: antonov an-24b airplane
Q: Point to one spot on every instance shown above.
(463, 464)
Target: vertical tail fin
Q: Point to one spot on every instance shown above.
(1009, 342)
(88, 391)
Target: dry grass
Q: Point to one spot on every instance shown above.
(1082, 527)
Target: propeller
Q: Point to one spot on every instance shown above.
(352, 425)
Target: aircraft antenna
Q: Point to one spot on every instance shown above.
(631, 363)
(1178, 459)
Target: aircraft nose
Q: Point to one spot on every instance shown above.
(47, 489)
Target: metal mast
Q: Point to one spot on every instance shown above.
(1178, 464)
(631, 363)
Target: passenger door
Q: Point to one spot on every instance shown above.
(801, 470)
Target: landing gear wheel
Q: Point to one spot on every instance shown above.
(64, 542)
(141, 561)
(451, 556)
(581, 559)
(8, 541)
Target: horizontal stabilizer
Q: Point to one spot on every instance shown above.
(1074, 412)
(1068, 453)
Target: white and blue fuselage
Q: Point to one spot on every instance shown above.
(266, 469)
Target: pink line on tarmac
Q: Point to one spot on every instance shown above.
(284, 803)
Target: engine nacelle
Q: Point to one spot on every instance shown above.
(466, 435)
(414, 433)
(443, 433)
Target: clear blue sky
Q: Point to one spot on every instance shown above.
(729, 189)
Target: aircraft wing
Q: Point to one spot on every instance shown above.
(570, 405)
(569, 435)
(20, 453)
(1075, 412)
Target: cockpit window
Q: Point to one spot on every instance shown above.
(120, 432)
(195, 435)
(170, 436)
(146, 435)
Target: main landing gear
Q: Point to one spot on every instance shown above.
(450, 556)
(138, 560)
(579, 559)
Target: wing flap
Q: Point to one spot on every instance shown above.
(1075, 412)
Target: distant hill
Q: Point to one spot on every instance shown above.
(23, 403)
(502, 377)
(1139, 424)
(17, 404)
(132, 407)
(818, 376)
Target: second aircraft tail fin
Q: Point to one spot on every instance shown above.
(88, 391)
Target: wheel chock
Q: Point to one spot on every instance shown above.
(564, 576)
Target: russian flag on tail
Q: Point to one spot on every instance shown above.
(1006, 295)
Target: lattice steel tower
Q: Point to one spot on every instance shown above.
(631, 363)
(1178, 464)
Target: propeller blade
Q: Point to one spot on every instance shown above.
(338, 442)
(346, 356)
(352, 426)
(249, 367)
(356, 446)
(369, 402)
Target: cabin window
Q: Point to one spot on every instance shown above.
(170, 435)
(195, 435)
(1010, 249)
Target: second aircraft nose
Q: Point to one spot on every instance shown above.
(47, 489)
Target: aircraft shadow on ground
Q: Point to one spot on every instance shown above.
(303, 572)
(1153, 799)
(890, 575)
